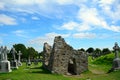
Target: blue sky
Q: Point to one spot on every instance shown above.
(83, 23)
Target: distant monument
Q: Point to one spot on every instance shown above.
(116, 61)
(63, 59)
(19, 57)
(14, 61)
(4, 63)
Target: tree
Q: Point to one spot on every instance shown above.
(90, 50)
(81, 49)
(22, 48)
(32, 53)
(105, 51)
(97, 52)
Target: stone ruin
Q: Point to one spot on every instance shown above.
(63, 59)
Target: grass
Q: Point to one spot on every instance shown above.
(95, 72)
(33, 73)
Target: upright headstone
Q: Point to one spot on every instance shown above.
(19, 57)
(14, 61)
(4, 63)
(116, 61)
(29, 62)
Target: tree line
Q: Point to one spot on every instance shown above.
(26, 52)
(33, 54)
(96, 52)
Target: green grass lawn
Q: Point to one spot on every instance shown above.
(95, 72)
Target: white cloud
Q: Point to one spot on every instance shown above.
(84, 35)
(49, 37)
(89, 16)
(92, 18)
(69, 26)
(35, 18)
(20, 33)
(7, 20)
(1, 6)
(75, 26)
(106, 2)
(62, 2)
(115, 28)
(110, 8)
(83, 27)
(47, 8)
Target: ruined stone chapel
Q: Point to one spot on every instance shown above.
(61, 58)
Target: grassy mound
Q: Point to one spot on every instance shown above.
(103, 60)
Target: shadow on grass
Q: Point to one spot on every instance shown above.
(40, 70)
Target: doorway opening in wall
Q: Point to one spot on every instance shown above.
(72, 67)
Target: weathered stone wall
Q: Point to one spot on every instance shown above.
(64, 59)
(46, 56)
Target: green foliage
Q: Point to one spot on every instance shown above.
(22, 48)
(90, 50)
(26, 52)
(81, 49)
(31, 52)
(105, 51)
(106, 59)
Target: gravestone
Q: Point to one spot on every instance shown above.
(4, 63)
(29, 62)
(36, 62)
(116, 61)
(19, 57)
(14, 61)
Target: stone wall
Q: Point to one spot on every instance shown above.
(47, 50)
(63, 59)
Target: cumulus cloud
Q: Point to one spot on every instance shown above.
(84, 17)
(7, 20)
(74, 26)
(49, 37)
(84, 35)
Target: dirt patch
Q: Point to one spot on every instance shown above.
(97, 72)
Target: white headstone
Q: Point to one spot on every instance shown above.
(4, 63)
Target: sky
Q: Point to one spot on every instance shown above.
(82, 23)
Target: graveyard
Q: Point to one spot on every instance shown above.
(96, 72)
(55, 64)
(59, 39)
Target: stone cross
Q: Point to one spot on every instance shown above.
(116, 49)
(19, 54)
(13, 51)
